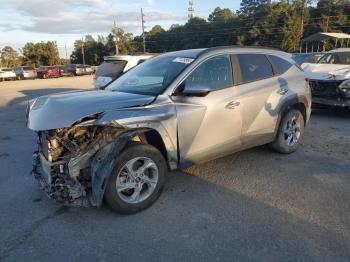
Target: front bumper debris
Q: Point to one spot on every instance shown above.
(336, 102)
(328, 93)
(57, 184)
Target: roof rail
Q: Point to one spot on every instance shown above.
(239, 46)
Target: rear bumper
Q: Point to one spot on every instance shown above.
(336, 102)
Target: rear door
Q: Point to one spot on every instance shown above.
(209, 126)
(259, 91)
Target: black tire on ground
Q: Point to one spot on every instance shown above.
(292, 120)
(132, 151)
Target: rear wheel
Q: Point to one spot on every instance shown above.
(290, 132)
(137, 180)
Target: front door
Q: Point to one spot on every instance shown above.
(209, 126)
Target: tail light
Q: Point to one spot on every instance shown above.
(95, 77)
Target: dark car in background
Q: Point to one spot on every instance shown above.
(25, 72)
(48, 71)
(79, 69)
(64, 70)
(306, 57)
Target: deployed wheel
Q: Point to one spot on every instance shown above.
(290, 132)
(137, 179)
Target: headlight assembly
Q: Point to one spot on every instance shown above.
(344, 88)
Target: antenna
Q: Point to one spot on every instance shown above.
(190, 9)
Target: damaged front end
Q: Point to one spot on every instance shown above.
(70, 163)
(331, 92)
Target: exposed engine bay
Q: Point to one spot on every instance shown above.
(63, 162)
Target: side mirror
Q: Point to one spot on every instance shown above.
(196, 89)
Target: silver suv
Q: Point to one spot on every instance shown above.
(172, 111)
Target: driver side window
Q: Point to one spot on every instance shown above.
(215, 73)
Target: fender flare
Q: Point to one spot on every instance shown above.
(103, 163)
(290, 102)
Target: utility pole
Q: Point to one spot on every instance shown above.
(190, 9)
(327, 23)
(303, 2)
(65, 49)
(116, 38)
(82, 52)
(143, 30)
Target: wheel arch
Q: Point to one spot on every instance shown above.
(298, 102)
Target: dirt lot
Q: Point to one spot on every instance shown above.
(252, 206)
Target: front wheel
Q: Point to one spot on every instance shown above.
(137, 179)
(290, 132)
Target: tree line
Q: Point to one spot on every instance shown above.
(278, 24)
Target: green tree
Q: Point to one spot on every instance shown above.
(157, 29)
(9, 57)
(43, 53)
(221, 15)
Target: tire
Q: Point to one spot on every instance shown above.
(136, 191)
(290, 133)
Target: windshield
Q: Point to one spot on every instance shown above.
(341, 58)
(151, 77)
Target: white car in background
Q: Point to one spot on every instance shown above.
(7, 74)
(114, 66)
(329, 78)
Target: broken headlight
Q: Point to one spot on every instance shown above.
(344, 88)
(89, 120)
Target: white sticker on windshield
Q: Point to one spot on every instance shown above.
(183, 60)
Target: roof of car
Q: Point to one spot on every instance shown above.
(194, 53)
(339, 50)
(127, 57)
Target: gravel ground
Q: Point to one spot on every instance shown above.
(251, 206)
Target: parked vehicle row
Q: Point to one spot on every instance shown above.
(28, 72)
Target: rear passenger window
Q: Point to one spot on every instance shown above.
(216, 73)
(254, 67)
(281, 66)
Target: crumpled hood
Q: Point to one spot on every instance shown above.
(326, 71)
(65, 109)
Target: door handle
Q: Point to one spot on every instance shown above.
(283, 91)
(232, 105)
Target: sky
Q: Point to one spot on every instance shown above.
(64, 21)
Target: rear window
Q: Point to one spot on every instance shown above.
(280, 65)
(6, 69)
(28, 68)
(254, 67)
(111, 68)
